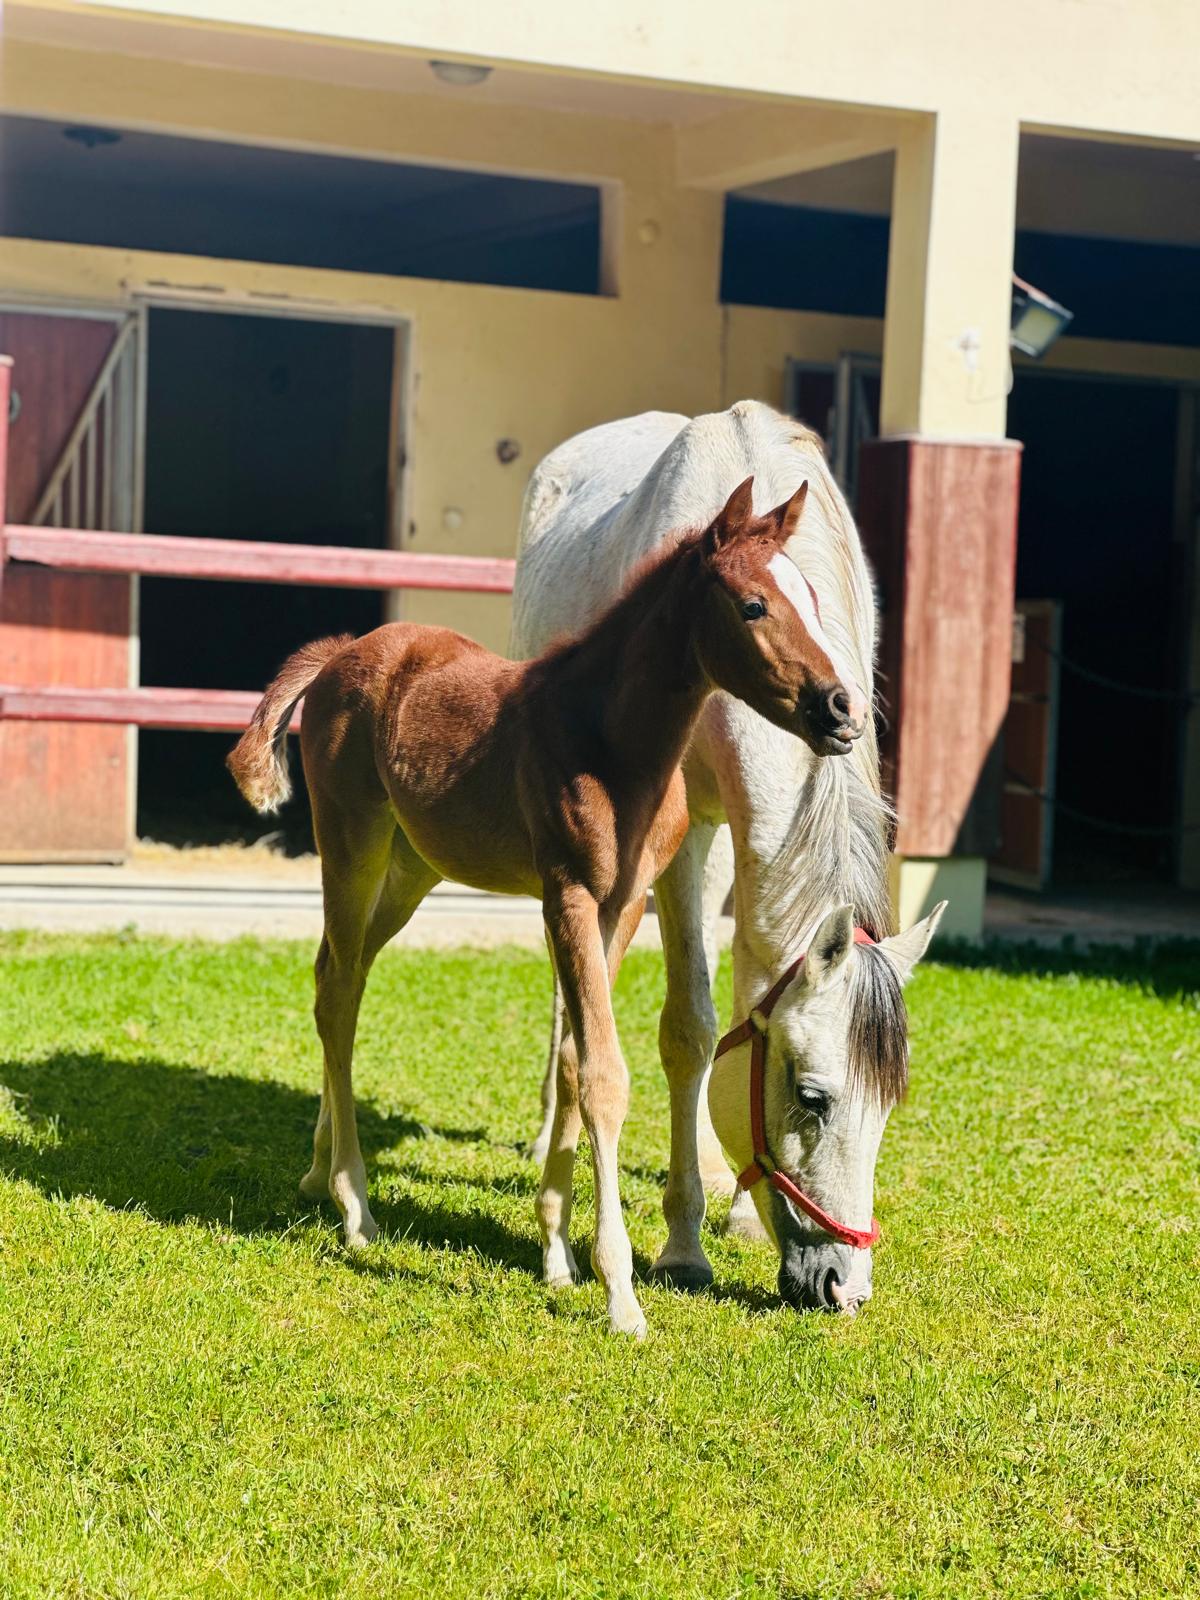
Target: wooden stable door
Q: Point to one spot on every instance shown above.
(1026, 852)
(65, 788)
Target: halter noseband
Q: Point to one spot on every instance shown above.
(763, 1165)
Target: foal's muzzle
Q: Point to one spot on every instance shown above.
(824, 1276)
(835, 720)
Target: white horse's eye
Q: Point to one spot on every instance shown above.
(814, 1100)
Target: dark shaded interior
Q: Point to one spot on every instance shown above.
(1095, 531)
(205, 197)
(266, 428)
(804, 258)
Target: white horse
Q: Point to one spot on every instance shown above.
(802, 839)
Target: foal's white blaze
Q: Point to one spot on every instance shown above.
(796, 588)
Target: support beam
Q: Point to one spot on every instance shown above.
(755, 145)
(946, 369)
(938, 504)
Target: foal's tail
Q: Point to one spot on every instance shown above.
(258, 761)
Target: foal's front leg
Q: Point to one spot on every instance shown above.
(573, 924)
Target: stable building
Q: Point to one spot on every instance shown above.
(341, 276)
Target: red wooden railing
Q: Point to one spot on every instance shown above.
(227, 560)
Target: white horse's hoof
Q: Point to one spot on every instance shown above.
(359, 1238)
(630, 1327)
(686, 1277)
(558, 1267)
(744, 1221)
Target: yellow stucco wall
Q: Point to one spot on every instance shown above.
(487, 364)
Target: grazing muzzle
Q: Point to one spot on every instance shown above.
(817, 1273)
(820, 1275)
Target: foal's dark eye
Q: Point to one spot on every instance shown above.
(753, 609)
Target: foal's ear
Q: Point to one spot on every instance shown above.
(787, 516)
(830, 946)
(730, 521)
(906, 949)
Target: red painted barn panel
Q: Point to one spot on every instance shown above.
(63, 787)
(939, 521)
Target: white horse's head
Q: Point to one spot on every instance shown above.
(836, 1062)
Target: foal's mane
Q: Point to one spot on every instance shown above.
(661, 585)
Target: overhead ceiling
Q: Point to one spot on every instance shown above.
(1071, 186)
(352, 66)
(1066, 186)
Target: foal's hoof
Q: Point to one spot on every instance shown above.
(688, 1277)
(314, 1185)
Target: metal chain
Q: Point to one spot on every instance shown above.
(1132, 829)
(1176, 696)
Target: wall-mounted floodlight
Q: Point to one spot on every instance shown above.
(1037, 320)
(462, 74)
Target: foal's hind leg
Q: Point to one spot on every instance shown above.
(408, 880)
(358, 849)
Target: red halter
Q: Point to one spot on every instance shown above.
(763, 1166)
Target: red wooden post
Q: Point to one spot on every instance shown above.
(939, 522)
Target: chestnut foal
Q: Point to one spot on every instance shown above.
(427, 757)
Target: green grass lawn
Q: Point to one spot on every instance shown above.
(201, 1395)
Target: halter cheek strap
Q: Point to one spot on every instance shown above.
(763, 1165)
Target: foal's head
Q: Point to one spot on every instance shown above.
(759, 634)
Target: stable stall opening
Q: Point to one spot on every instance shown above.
(257, 427)
(1097, 535)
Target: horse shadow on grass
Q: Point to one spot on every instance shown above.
(1167, 968)
(183, 1145)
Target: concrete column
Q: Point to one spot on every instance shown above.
(949, 290)
(946, 377)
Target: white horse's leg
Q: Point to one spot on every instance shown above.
(540, 1147)
(716, 883)
(554, 1196)
(686, 1036)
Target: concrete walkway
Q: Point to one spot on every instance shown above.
(227, 893)
(271, 898)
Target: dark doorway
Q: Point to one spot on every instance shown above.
(1095, 532)
(257, 427)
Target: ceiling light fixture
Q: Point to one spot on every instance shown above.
(462, 74)
(91, 138)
